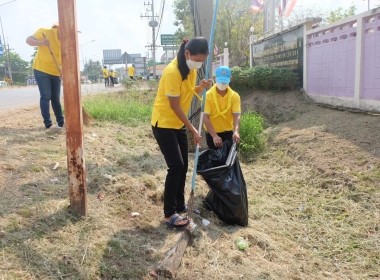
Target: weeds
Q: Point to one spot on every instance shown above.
(126, 108)
(251, 129)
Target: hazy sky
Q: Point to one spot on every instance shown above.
(113, 24)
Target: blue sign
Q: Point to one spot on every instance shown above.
(1, 48)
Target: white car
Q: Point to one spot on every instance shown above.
(3, 84)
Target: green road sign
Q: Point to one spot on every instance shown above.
(170, 48)
(168, 39)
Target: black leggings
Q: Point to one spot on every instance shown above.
(174, 147)
(224, 135)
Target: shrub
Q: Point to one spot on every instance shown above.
(265, 78)
(128, 84)
(251, 138)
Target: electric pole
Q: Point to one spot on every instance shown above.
(7, 50)
(152, 23)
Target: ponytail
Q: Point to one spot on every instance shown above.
(197, 45)
(182, 66)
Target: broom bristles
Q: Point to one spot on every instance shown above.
(190, 205)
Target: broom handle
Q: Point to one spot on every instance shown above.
(204, 94)
(52, 55)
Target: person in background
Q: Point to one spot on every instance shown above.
(169, 119)
(47, 74)
(112, 75)
(106, 76)
(222, 111)
(131, 71)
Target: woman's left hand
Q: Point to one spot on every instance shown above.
(206, 84)
(236, 137)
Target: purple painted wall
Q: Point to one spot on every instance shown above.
(331, 61)
(371, 58)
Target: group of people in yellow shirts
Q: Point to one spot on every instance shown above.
(169, 116)
(169, 119)
(109, 77)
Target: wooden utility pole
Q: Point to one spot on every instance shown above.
(68, 35)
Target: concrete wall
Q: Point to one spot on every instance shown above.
(342, 62)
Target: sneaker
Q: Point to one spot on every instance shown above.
(54, 127)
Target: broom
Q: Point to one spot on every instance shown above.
(86, 116)
(190, 203)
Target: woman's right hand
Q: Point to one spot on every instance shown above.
(196, 138)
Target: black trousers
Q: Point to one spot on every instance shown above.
(224, 135)
(174, 147)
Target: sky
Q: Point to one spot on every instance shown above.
(105, 24)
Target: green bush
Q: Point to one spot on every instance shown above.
(251, 138)
(128, 84)
(264, 78)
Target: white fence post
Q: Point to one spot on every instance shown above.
(359, 61)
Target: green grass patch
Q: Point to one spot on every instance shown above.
(129, 108)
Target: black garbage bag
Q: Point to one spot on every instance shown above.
(228, 192)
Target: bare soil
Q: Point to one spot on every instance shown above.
(314, 201)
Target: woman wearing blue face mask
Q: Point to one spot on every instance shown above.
(222, 111)
(169, 119)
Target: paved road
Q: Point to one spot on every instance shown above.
(12, 98)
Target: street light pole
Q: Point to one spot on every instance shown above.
(83, 59)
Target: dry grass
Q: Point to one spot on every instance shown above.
(313, 204)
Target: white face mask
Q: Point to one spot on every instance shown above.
(222, 86)
(193, 64)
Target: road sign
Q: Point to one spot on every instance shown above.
(170, 48)
(112, 57)
(168, 39)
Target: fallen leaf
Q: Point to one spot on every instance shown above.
(54, 180)
(153, 273)
(100, 196)
(56, 166)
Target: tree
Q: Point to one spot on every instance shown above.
(93, 70)
(184, 20)
(20, 68)
(339, 14)
(233, 24)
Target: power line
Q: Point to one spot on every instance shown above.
(8, 2)
(161, 16)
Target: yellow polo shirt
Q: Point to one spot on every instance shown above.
(220, 123)
(105, 73)
(43, 61)
(131, 71)
(171, 85)
(113, 74)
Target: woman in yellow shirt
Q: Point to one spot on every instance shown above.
(169, 118)
(222, 111)
(47, 74)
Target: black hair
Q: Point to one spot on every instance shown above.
(197, 45)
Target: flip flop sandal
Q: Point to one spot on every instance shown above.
(195, 211)
(177, 218)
